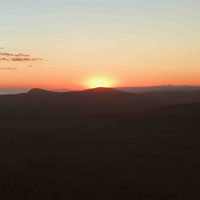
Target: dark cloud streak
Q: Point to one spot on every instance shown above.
(8, 68)
(4, 59)
(15, 55)
(21, 59)
(25, 59)
(11, 57)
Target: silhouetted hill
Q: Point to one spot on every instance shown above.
(37, 91)
(189, 109)
(100, 144)
(10, 91)
(103, 100)
(6, 91)
(160, 88)
(103, 90)
(51, 109)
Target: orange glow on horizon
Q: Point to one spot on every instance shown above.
(99, 82)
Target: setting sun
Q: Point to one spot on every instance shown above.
(99, 82)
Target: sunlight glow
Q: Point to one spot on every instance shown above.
(99, 82)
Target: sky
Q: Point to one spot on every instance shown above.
(76, 44)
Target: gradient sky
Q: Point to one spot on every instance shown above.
(128, 42)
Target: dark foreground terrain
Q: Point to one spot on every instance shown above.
(101, 145)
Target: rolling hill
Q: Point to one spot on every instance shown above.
(100, 144)
(96, 100)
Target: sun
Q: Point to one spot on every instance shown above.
(99, 82)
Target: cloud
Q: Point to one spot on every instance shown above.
(19, 57)
(4, 59)
(25, 59)
(15, 55)
(8, 68)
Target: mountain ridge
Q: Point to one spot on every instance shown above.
(96, 100)
(7, 91)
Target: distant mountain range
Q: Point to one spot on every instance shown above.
(160, 88)
(45, 108)
(98, 100)
(109, 142)
(5, 91)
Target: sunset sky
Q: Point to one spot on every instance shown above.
(82, 43)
